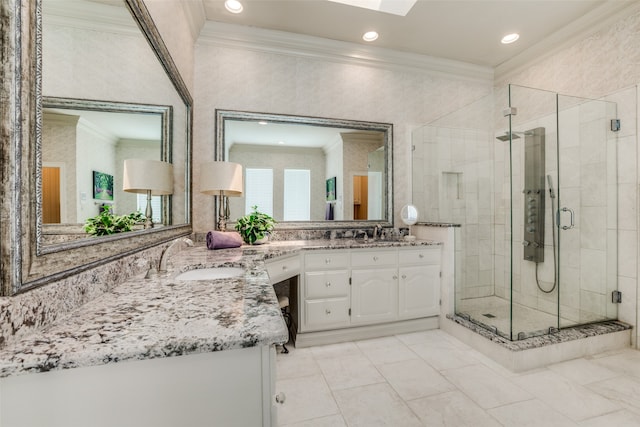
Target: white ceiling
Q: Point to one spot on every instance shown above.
(463, 30)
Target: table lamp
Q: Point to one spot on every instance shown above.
(222, 179)
(153, 177)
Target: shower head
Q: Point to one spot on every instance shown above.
(506, 136)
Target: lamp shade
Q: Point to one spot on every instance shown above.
(225, 177)
(142, 175)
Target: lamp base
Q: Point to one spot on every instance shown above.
(149, 212)
(222, 212)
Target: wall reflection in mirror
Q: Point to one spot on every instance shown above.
(106, 98)
(309, 169)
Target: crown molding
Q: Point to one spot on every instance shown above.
(285, 43)
(596, 20)
(194, 11)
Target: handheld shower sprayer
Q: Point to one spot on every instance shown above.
(552, 196)
(552, 193)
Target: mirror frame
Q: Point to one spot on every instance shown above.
(22, 268)
(386, 128)
(166, 117)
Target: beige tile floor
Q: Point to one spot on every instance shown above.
(432, 379)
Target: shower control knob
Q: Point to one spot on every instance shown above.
(525, 243)
(531, 229)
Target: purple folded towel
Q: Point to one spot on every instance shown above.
(223, 239)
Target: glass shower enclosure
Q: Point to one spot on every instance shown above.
(531, 178)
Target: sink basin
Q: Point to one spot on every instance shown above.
(211, 273)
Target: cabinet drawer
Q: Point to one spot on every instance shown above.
(426, 255)
(326, 284)
(325, 313)
(283, 268)
(326, 260)
(373, 258)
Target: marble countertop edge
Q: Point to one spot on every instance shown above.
(164, 317)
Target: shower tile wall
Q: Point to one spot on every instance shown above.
(455, 168)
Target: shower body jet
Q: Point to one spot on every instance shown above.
(534, 194)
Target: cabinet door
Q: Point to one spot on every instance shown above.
(419, 291)
(374, 295)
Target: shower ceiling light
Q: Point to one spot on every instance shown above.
(370, 36)
(510, 38)
(233, 6)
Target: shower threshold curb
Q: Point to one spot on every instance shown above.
(539, 351)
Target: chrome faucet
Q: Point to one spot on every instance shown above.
(377, 231)
(359, 232)
(164, 258)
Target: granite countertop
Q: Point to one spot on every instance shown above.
(163, 317)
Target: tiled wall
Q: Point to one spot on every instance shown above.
(453, 181)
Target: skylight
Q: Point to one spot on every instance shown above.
(394, 7)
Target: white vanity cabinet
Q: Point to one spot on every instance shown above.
(325, 291)
(283, 268)
(234, 388)
(361, 293)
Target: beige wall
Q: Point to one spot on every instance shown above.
(179, 23)
(242, 79)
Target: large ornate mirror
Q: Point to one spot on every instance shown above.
(307, 171)
(82, 60)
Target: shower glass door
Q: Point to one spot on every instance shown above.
(531, 124)
(587, 210)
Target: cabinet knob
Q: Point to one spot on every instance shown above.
(328, 284)
(280, 398)
(284, 267)
(327, 261)
(375, 258)
(327, 311)
(395, 277)
(404, 276)
(420, 255)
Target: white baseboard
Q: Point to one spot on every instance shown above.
(307, 339)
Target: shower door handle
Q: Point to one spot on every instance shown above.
(571, 218)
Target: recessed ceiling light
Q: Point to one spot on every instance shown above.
(281, 142)
(233, 6)
(510, 38)
(370, 36)
(262, 122)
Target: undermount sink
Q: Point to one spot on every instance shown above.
(211, 273)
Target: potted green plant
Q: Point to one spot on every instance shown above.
(255, 226)
(106, 222)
